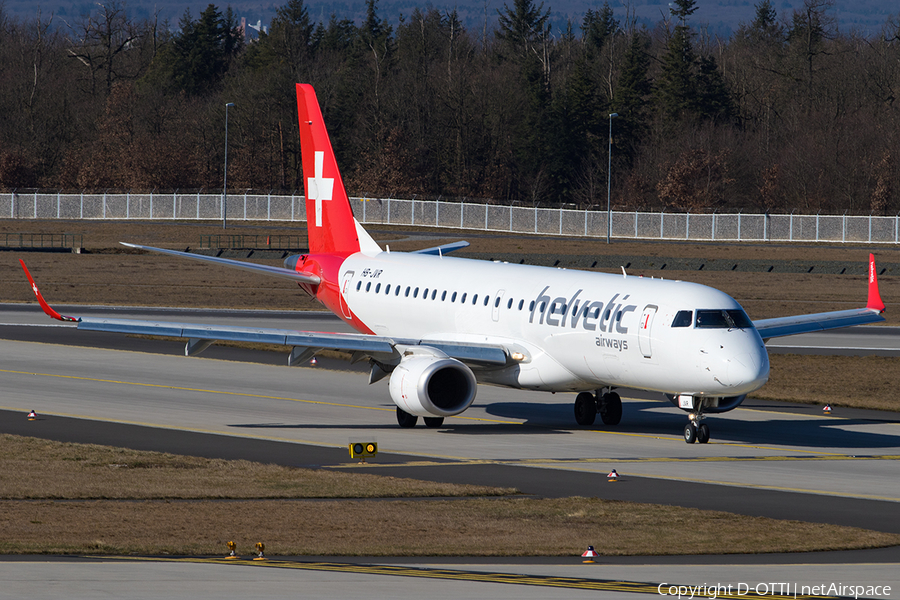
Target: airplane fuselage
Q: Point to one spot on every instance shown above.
(575, 330)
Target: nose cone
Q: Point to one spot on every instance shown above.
(748, 371)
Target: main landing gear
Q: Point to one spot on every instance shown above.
(587, 406)
(406, 420)
(695, 431)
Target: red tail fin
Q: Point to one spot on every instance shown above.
(874, 301)
(329, 219)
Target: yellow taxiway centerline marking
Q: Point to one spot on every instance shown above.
(608, 585)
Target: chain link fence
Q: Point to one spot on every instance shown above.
(459, 215)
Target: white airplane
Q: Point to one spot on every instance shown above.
(438, 325)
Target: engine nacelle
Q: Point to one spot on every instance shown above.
(432, 386)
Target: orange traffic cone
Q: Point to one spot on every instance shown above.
(590, 554)
(32, 416)
(613, 476)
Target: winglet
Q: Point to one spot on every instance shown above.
(47, 308)
(875, 301)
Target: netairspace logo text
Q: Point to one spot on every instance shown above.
(785, 589)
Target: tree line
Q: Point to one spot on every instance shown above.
(788, 114)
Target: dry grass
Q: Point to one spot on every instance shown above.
(149, 520)
(823, 379)
(32, 468)
(127, 278)
(473, 527)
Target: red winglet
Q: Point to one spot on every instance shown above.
(41, 301)
(875, 301)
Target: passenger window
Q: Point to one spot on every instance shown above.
(416, 293)
(521, 304)
(474, 299)
(433, 294)
(453, 297)
(407, 292)
(463, 299)
(425, 294)
(531, 305)
(358, 285)
(443, 295)
(368, 286)
(397, 292)
(509, 304)
(683, 318)
(487, 299)
(377, 288)
(387, 290)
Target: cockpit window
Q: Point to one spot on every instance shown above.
(683, 318)
(722, 319)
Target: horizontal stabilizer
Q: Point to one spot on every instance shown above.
(443, 249)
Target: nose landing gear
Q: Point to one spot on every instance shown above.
(695, 431)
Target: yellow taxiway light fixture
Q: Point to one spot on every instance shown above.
(231, 548)
(361, 450)
(260, 547)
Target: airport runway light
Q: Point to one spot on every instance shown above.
(361, 450)
(609, 181)
(225, 177)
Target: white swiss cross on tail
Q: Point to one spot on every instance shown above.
(319, 187)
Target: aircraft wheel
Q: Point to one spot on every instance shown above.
(404, 419)
(703, 433)
(611, 409)
(585, 409)
(434, 422)
(690, 433)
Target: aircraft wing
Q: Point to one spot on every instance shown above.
(782, 326)
(236, 264)
(771, 328)
(305, 343)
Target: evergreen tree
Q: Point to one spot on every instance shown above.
(199, 56)
(522, 27)
(765, 26)
(713, 97)
(630, 97)
(598, 27)
(676, 88)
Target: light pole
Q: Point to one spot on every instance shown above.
(225, 177)
(609, 181)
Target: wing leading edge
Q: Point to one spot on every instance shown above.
(782, 326)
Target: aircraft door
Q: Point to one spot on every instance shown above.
(644, 332)
(495, 310)
(345, 289)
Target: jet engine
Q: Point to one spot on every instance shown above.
(432, 386)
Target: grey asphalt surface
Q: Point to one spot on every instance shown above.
(541, 424)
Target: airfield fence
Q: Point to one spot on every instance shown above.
(248, 206)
